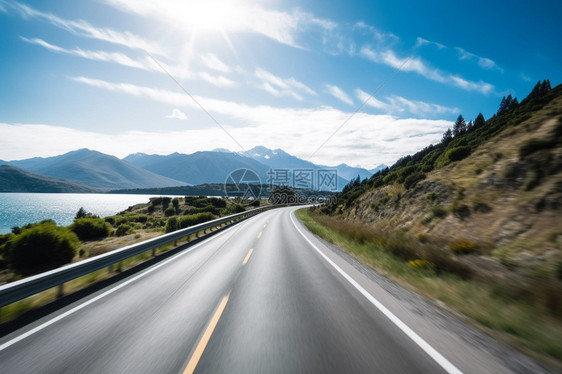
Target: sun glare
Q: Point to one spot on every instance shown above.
(210, 15)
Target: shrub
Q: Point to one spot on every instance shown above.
(432, 196)
(91, 228)
(124, 229)
(405, 172)
(444, 262)
(42, 247)
(481, 207)
(461, 211)
(150, 209)
(169, 212)
(194, 219)
(413, 179)
(463, 246)
(533, 145)
(166, 202)
(172, 224)
(236, 208)
(438, 211)
(422, 237)
(458, 153)
(155, 201)
(402, 246)
(421, 264)
(175, 202)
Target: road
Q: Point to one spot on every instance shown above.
(264, 296)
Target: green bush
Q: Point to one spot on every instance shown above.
(405, 172)
(91, 228)
(194, 219)
(169, 212)
(458, 153)
(41, 247)
(172, 224)
(124, 229)
(166, 202)
(413, 179)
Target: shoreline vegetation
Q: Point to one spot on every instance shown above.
(38, 247)
(516, 315)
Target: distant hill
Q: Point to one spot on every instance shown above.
(350, 172)
(95, 169)
(199, 167)
(13, 179)
(378, 168)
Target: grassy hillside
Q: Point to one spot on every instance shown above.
(476, 218)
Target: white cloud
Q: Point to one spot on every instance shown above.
(211, 61)
(218, 81)
(388, 57)
(399, 104)
(372, 101)
(338, 94)
(421, 42)
(177, 114)
(84, 29)
(421, 107)
(483, 62)
(113, 57)
(282, 87)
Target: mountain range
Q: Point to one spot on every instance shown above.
(94, 169)
(86, 170)
(14, 179)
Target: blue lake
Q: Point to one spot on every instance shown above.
(18, 209)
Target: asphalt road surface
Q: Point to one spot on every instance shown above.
(264, 296)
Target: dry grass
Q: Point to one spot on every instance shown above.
(526, 315)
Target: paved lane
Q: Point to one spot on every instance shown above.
(264, 296)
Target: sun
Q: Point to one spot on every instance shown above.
(221, 16)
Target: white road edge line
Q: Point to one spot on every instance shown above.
(436, 356)
(91, 301)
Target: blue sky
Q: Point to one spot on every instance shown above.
(106, 74)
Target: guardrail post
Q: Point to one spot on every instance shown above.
(60, 290)
(110, 268)
(154, 252)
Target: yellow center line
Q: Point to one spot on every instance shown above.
(248, 256)
(204, 340)
(259, 235)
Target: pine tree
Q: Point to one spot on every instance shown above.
(460, 126)
(479, 121)
(503, 105)
(447, 137)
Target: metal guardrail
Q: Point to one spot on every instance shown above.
(21, 289)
